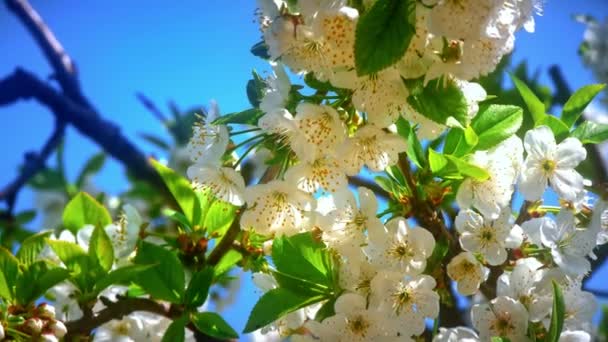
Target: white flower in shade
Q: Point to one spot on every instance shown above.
(224, 183)
(353, 321)
(410, 300)
(356, 276)
(382, 96)
(490, 196)
(321, 130)
(345, 227)
(581, 306)
(599, 221)
(129, 328)
(58, 329)
(548, 162)
(503, 316)
(530, 284)
(458, 334)
(2, 334)
(400, 248)
(124, 235)
(66, 306)
(276, 208)
(473, 93)
(532, 228)
(371, 147)
(574, 336)
(276, 93)
(488, 237)
(467, 272)
(323, 173)
(569, 245)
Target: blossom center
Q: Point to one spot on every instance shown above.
(358, 325)
(548, 166)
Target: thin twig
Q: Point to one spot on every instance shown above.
(151, 107)
(34, 163)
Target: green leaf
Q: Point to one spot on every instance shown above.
(227, 261)
(414, 148)
(577, 103)
(560, 130)
(438, 101)
(164, 281)
(301, 257)
(437, 161)
(83, 269)
(101, 250)
(260, 49)
(31, 247)
(213, 325)
(383, 35)
(246, 117)
(198, 288)
(91, 167)
(219, 217)
(558, 314)
(47, 179)
(274, 304)
(181, 190)
(156, 141)
(176, 332)
(121, 276)
(534, 104)
(26, 216)
(499, 339)
(82, 210)
(468, 169)
(255, 89)
(177, 217)
(37, 279)
(9, 267)
(327, 310)
(590, 132)
(495, 123)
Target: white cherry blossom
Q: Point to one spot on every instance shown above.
(224, 182)
(458, 334)
(503, 316)
(467, 272)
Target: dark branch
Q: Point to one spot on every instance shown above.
(34, 162)
(22, 85)
(151, 107)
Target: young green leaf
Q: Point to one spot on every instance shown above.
(176, 332)
(439, 101)
(83, 210)
(327, 310)
(219, 217)
(301, 257)
(213, 325)
(182, 191)
(383, 35)
(274, 304)
(414, 148)
(83, 269)
(560, 130)
(468, 169)
(164, 281)
(198, 288)
(557, 315)
(535, 105)
(590, 132)
(255, 89)
(495, 123)
(437, 161)
(260, 49)
(31, 247)
(100, 249)
(246, 117)
(9, 270)
(36, 280)
(121, 276)
(227, 261)
(576, 104)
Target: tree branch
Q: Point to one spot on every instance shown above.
(22, 85)
(34, 162)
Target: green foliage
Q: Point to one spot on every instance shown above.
(559, 129)
(182, 191)
(166, 279)
(36, 279)
(558, 314)
(535, 105)
(590, 132)
(437, 161)
(438, 100)
(121, 276)
(176, 332)
(495, 123)
(83, 210)
(227, 261)
(101, 250)
(91, 167)
(213, 325)
(9, 267)
(246, 117)
(383, 35)
(198, 288)
(31, 247)
(260, 49)
(469, 169)
(414, 148)
(576, 104)
(459, 142)
(275, 304)
(83, 268)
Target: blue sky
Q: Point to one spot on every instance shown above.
(190, 52)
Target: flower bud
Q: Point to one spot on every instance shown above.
(48, 338)
(267, 247)
(46, 311)
(34, 325)
(58, 329)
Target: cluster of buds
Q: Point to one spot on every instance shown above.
(38, 323)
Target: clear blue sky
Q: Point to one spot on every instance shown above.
(190, 52)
